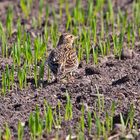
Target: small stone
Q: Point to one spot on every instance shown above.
(129, 137)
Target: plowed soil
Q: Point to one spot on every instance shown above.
(117, 80)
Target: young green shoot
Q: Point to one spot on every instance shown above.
(48, 117)
(7, 133)
(35, 124)
(41, 4)
(3, 38)
(9, 21)
(89, 121)
(82, 122)
(68, 111)
(3, 83)
(20, 131)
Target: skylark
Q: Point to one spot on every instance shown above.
(63, 59)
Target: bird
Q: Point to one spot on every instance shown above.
(63, 59)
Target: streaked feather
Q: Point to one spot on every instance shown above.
(63, 59)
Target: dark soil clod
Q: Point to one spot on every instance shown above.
(136, 67)
(91, 71)
(109, 64)
(121, 81)
(78, 99)
(17, 107)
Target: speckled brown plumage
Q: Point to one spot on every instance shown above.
(63, 59)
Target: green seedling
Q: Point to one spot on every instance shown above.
(60, 7)
(112, 110)
(3, 83)
(100, 102)
(47, 13)
(12, 76)
(22, 77)
(41, 69)
(3, 38)
(59, 114)
(98, 6)
(26, 6)
(9, 21)
(36, 75)
(94, 30)
(80, 136)
(129, 34)
(86, 44)
(118, 44)
(8, 77)
(7, 133)
(35, 124)
(78, 13)
(95, 55)
(89, 121)
(124, 21)
(122, 119)
(39, 49)
(104, 47)
(46, 34)
(80, 49)
(133, 37)
(67, 10)
(90, 9)
(68, 111)
(82, 122)
(6, 80)
(20, 131)
(48, 117)
(41, 4)
(102, 25)
(130, 118)
(19, 30)
(0, 135)
(34, 23)
(111, 12)
(136, 11)
(98, 125)
(58, 117)
(54, 31)
(16, 53)
(69, 20)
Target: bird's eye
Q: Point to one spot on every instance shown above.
(71, 36)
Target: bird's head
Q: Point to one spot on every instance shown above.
(66, 38)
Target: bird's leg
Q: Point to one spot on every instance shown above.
(71, 79)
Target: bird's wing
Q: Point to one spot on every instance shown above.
(53, 61)
(71, 60)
